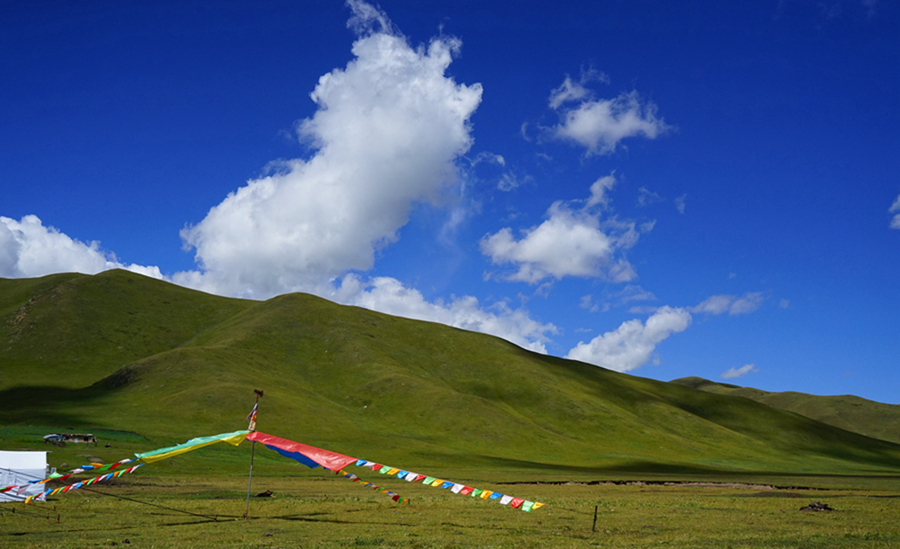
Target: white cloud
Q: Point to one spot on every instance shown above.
(388, 295)
(571, 242)
(870, 7)
(895, 207)
(733, 305)
(387, 133)
(575, 91)
(507, 182)
(29, 249)
(647, 197)
(631, 345)
(633, 292)
(600, 188)
(568, 243)
(368, 19)
(599, 125)
(587, 302)
(733, 373)
(680, 203)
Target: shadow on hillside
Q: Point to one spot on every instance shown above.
(674, 470)
(45, 404)
(636, 466)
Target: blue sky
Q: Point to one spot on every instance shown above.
(663, 188)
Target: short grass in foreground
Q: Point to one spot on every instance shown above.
(326, 511)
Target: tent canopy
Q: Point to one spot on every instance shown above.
(17, 469)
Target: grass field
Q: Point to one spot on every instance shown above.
(319, 510)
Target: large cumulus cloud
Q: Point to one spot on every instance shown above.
(387, 132)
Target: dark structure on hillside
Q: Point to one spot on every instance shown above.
(60, 439)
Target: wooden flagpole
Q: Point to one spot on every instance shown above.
(252, 427)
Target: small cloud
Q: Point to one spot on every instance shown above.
(632, 344)
(488, 157)
(748, 303)
(599, 125)
(784, 304)
(895, 207)
(634, 292)
(543, 290)
(587, 302)
(575, 91)
(870, 7)
(733, 373)
(679, 203)
(524, 132)
(732, 275)
(572, 241)
(508, 182)
(568, 91)
(647, 197)
(733, 305)
(600, 188)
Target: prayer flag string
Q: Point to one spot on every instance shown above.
(455, 487)
(396, 497)
(84, 483)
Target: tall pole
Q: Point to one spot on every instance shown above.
(252, 427)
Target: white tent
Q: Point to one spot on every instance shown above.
(17, 469)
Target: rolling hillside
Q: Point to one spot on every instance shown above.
(123, 352)
(872, 419)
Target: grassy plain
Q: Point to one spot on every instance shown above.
(316, 510)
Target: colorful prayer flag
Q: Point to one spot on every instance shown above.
(310, 456)
(234, 438)
(252, 418)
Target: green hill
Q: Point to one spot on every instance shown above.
(122, 352)
(852, 413)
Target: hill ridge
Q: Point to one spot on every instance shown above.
(849, 412)
(171, 363)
